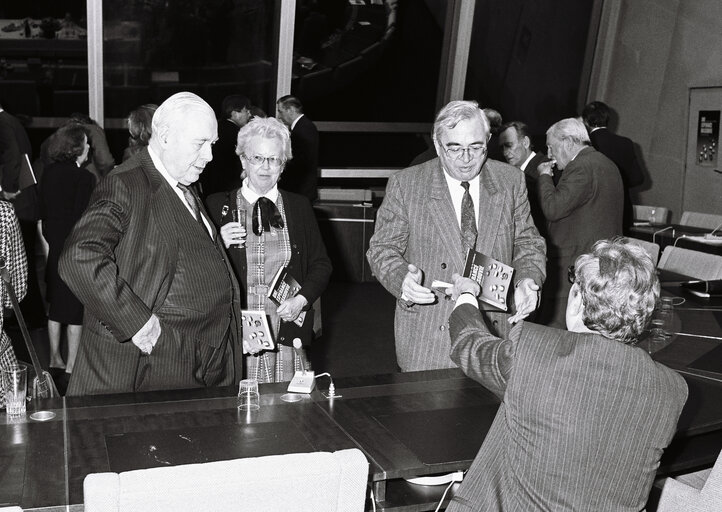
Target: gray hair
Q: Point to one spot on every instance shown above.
(572, 129)
(268, 128)
(173, 111)
(456, 111)
(619, 286)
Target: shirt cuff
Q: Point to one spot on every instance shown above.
(467, 298)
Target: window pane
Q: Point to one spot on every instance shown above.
(43, 58)
(211, 47)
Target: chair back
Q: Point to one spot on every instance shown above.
(651, 214)
(696, 492)
(701, 220)
(650, 247)
(318, 481)
(696, 264)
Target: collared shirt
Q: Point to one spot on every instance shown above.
(526, 162)
(252, 197)
(457, 194)
(174, 186)
(293, 124)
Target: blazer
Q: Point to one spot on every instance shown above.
(14, 142)
(620, 150)
(309, 263)
(416, 224)
(137, 250)
(301, 173)
(582, 424)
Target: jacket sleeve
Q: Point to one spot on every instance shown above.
(529, 257)
(573, 190)
(390, 239)
(482, 356)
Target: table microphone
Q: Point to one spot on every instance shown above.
(303, 381)
(660, 231)
(712, 235)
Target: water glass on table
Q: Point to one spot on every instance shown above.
(15, 384)
(239, 215)
(248, 398)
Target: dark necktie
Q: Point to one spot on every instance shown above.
(265, 215)
(468, 218)
(193, 203)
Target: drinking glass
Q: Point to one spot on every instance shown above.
(15, 383)
(248, 398)
(239, 215)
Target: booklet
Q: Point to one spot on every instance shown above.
(256, 330)
(284, 286)
(493, 276)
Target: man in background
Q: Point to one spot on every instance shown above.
(618, 149)
(146, 262)
(516, 146)
(585, 206)
(585, 414)
(432, 214)
(301, 173)
(223, 173)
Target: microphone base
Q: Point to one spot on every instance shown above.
(302, 382)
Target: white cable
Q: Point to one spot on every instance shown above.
(373, 500)
(438, 507)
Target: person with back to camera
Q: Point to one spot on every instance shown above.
(282, 231)
(64, 195)
(139, 129)
(585, 414)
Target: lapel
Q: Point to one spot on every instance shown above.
(443, 215)
(490, 204)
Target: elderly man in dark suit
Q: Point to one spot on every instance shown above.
(585, 206)
(160, 298)
(517, 148)
(618, 149)
(585, 414)
(301, 173)
(432, 214)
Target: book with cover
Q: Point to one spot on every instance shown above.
(493, 276)
(256, 331)
(27, 176)
(284, 286)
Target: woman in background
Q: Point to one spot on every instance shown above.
(64, 195)
(282, 232)
(139, 129)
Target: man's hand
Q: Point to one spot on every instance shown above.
(526, 299)
(146, 338)
(412, 290)
(546, 168)
(463, 285)
(291, 308)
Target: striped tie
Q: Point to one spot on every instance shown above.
(193, 203)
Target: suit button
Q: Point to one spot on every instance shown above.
(443, 265)
(282, 338)
(495, 322)
(442, 327)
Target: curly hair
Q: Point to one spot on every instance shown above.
(66, 144)
(267, 128)
(619, 287)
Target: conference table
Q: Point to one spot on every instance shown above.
(679, 235)
(407, 424)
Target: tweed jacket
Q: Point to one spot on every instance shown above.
(137, 250)
(582, 424)
(416, 224)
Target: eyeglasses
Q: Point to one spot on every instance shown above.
(571, 274)
(474, 151)
(273, 161)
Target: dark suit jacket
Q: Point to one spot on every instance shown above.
(532, 177)
(416, 224)
(224, 171)
(301, 173)
(582, 424)
(137, 250)
(620, 150)
(585, 206)
(14, 143)
(309, 265)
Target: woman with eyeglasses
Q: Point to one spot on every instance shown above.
(280, 231)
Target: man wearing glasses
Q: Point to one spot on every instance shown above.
(432, 214)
